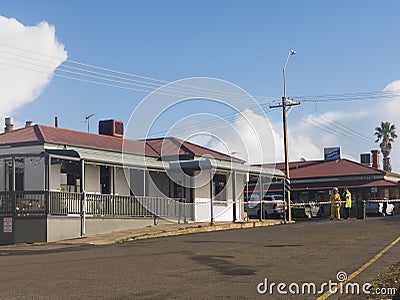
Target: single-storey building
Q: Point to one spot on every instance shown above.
(57, 183)
(314, 180)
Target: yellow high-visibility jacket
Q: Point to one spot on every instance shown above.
(348, 199)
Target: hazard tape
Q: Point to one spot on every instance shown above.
(284, 203)
(386, 200)
(343, 202)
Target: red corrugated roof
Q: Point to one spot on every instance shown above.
(27, 134)
(172, 146)
(48, 134)
(328, 185)
(321, 168)
(153, 147)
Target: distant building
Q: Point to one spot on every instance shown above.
(313, 180)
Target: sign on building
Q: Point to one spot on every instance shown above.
(7, 225)
(332, 153)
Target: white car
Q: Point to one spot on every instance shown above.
(374, 207)
(273, 206)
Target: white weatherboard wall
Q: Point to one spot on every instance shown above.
(92, 178)
(55, 177)
(137, 182)
(240, 186)
(202, 211)
(121, 182)
(202, 207)
(22, 150)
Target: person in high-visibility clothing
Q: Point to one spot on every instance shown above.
(335, 204)
(347, 204)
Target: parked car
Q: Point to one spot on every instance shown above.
(298, 210)
(273, 206)
(377, 208)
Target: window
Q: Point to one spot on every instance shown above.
(183, 193)
(105, 179)
(219, 187)
(178, 191)
(19, 174)
(66, 174)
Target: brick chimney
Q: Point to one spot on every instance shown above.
(9, 122)
(376, 162)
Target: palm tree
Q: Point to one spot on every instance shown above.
(387, 133)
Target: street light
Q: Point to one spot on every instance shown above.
(292, 52)
(285, 135)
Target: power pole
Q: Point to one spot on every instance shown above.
(286, 103)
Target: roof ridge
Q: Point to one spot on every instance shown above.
(216, 151)
(38, 132)
(181, 141)
(149, 145)
(181, 144)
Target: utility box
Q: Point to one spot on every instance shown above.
(360, 209)
(112, 128)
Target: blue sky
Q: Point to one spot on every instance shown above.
(343, 47)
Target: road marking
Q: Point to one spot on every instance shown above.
(359, 270)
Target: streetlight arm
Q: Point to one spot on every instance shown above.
(284, 76)
(292, 52)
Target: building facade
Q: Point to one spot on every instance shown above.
(314, 180)
(57, 183)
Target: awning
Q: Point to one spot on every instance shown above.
(204, 164)
(110, 157)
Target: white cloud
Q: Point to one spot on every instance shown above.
(393, 86)
(25, 74)
(251, 137)
(360, 122)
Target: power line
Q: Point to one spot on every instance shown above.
(344, 128)
(362, 96)
(214, 124)
(330, 130)
(347, 133)
(150, 85)
(128, 83)
(153, 83)
(142, 88)
(177, 86)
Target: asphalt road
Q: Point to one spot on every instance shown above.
(216, 265)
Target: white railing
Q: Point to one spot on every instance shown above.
(41, 203)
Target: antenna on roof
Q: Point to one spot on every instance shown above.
(87, 120)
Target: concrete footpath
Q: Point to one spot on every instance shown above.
(154, 231)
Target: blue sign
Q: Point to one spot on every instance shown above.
(332, 153)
